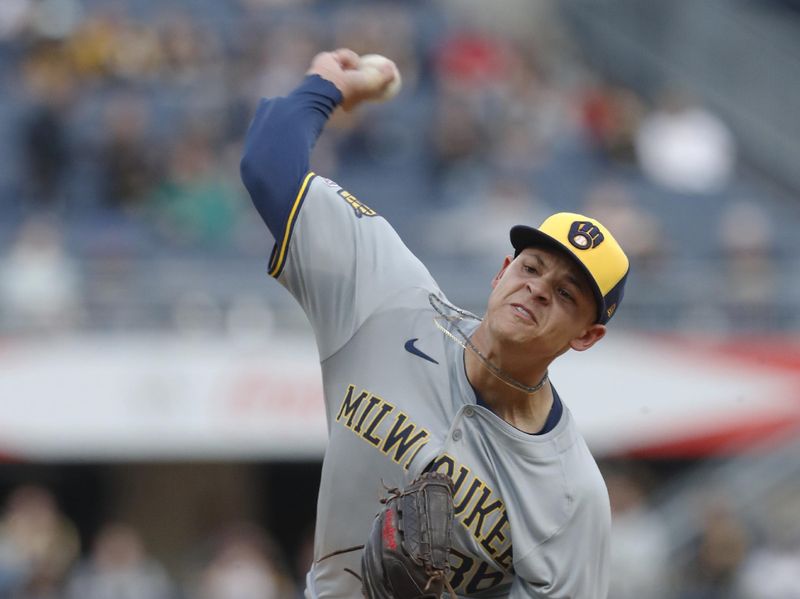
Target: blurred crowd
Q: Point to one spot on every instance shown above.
(729, 554)
(125, 122)
(42, 557)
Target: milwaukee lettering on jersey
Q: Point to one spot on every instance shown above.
(382, 425)
(484, 515)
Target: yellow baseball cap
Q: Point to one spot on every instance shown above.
(591, 245)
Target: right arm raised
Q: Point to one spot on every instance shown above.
(284, 131)
(338, 258)
(278, 146)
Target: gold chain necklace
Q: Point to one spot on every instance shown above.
(465, 342)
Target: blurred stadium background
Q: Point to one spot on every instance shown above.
(160, 414)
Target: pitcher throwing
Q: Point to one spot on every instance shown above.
(415, 385)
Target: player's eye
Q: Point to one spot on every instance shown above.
(566, 294)
(529, 269)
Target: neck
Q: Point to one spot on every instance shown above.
(525, 411)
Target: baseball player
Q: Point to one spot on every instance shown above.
(414, 384)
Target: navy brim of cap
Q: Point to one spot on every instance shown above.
(523, 236)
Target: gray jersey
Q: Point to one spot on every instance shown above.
(532, 510)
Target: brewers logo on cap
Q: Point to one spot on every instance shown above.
(585, 235)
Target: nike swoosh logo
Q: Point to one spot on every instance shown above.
(413, 350)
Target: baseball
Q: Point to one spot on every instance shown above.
(372, 63)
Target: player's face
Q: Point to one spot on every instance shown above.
(541, 304)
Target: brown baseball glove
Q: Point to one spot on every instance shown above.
(408, 550)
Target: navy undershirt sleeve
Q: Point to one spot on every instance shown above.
(278, 146)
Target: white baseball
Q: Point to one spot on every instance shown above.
(372, 63)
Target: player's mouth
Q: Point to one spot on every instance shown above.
(523, 313)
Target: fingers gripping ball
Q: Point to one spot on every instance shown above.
(372, 65)
(407, 555)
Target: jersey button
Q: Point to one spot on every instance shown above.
(457, 434)
(469, 412)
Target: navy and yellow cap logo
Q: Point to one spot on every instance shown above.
(585, 235)
(591, 245)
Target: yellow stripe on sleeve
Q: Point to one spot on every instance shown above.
(281, 255)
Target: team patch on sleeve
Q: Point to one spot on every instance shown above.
(358, 207)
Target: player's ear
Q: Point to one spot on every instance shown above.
(588, 338)
(508, 260)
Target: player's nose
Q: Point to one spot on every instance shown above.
(539, 290)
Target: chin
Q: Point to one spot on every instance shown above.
(511, 334)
